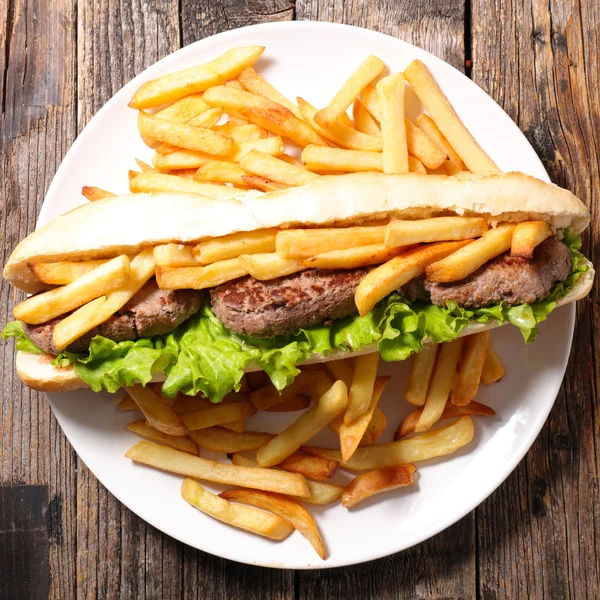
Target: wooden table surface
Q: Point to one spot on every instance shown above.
(537, 536)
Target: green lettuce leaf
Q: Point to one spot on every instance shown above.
(202, 356)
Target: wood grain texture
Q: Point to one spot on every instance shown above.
(541, 63)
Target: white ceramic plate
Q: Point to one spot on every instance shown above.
(312, 60)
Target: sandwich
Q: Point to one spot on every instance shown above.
(194, 291)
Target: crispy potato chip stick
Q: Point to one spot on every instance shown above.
(275, 169)
(163, 182)
(174, 461)
(377, 425)
(184, 109)
(157, 413)
(421, 147)
(312, 467)
(254, 83)
(323, 159)
(493, 369)
(390, 276)
(267, 396)
(290, 510)
(471, 366)
(416, 166)
(104, 278)
(174, 255)
(174, 86)
(431, 444)
(222, 440)
(393, 127)
(242, 133)
(217, 414)
(235, 244)
(454, 164)
(436, 229)
(232, 99)
(421, 368)
(269, 266)
(199, 278)
(352, 258)
(239, 515)
(441, 384)
(62, 273)
(221, 170)
(467, 260)
(447, 120)
(363, 120)
(370, 101)
(95, 193)
(375, 482)
(360, 392)
(331, 404)
(527, 236)
(174, 441)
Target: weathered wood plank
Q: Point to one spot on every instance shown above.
(540, 61)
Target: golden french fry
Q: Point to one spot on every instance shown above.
(64, 272)
(242, 133)
(232, 99)
(493, 370)
(145, 167)
(223, 440)
(363, 120)
(174, 441)
(254, 83)
(234, 245)
(421, 368)
(431, 444)
(342, 369)
(527, 236)
(174, 86)
(266, 397)
(239, 515)
(174, 461)
(331, 404)
(370, 68)
(390, 91)
(174, 255)
(150, 182)
(390, 276)
(84, 319)
(269, 266)
(157, 413)
(217, 415)
(184, 110)
(338, 133)
(352, 258)
(291, 404)
(304, 243)
(234, 83)
(312, 467)
(275, 169)
(441, 384)
(467, 260)
(287, 509)
(445, 117)
(360, 392)
(450, 410)
(421, 147)
(104, 278)
(95, 193)
(471, 366)
(127, 403)
(221, 170)
(199, 278)
(323, 159)
(377, 425)
(436, 229)
(263, 184)
(426, 124)
(416, 166)
(370, 101)
(351, 434)
(375, 482)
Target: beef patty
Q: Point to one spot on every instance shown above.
(151, 311)
(506, 278)
(284, 305)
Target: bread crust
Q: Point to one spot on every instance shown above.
(128, 223)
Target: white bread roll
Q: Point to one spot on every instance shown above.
(128, 223)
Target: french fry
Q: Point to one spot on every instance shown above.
(331, 404)
(375, 482)
(275, 169)
(312, 467)
(151, 182)
(234, 245)
(217, 414)
(377, 425)
(95, 193)
(467, 260)
(370, 68)
(342, 369)
(323, 159)
(268, 396)
(174, 461)
(409, 423)
(390, 91)
(360, 392)
(221, 170)
(263, 184)
(471, 366)
(173, 441)
(352, 433)
(222, 440)
(106, 277)
(527, 236)
(83, 320)
(287, 509)
(431, 444)
(304, 243)
(174, 255)
(232, 99)
(174, 86)
(336, 427)
(352, 258)
(269, 266)
(436, 229)
(445, 117)
(254, 83)
(421, 368)
(441, 384)
(62, 273)
(426, 124)
(416, 166)
(421, 147)
(184, 109)
(244, 517)
(390, 276)
(282, 123)
(234, 83)
(157, 413)
(363, 120)
(242, 133)
(199, 278)
(338, 133)
(291, 404)
(493, 370)
(144, 167)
